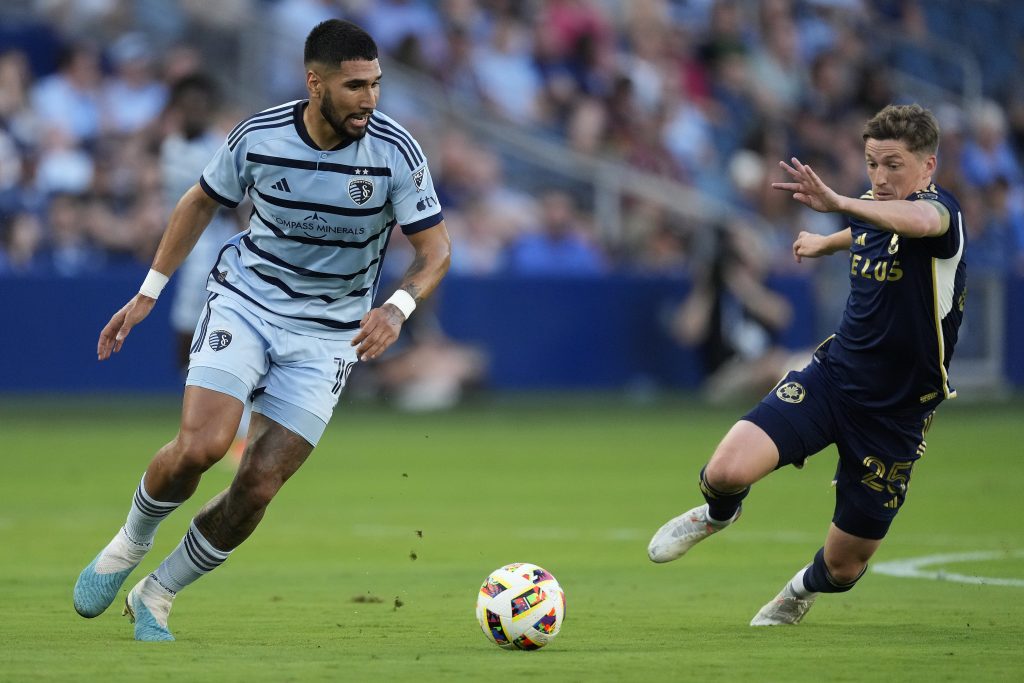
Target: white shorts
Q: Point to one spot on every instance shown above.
(292, 378)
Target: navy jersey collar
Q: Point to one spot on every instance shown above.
(300, 127)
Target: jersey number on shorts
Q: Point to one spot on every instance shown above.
(341, 376)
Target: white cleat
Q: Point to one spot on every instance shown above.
(681, 533)
(785, 610)
(148, 606)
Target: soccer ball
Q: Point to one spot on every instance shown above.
(520, 607)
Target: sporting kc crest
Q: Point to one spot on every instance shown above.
(219, 339)
(360, 190)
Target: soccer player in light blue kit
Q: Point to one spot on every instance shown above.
(289, 311)
(871, 388)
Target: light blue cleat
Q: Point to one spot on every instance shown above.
(99, 583)
(147, 606)
(94, 591)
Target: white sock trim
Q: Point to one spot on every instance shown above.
(796, 585)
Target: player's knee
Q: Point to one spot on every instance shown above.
(255, 488)
(198, 452)
(845, 571)
(727, 473)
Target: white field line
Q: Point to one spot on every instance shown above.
(918, 567)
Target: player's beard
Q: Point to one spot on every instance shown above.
(338, 124)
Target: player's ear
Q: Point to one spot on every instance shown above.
(313, 83)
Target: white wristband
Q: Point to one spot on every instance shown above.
(403, 301)
(153, 284)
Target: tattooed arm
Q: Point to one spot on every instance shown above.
(380, 327)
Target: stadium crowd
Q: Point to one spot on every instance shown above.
(711, 93)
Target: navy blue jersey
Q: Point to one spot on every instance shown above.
(894, 344)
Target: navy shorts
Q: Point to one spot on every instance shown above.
(804, 413)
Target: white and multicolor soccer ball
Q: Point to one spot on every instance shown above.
(520, 607)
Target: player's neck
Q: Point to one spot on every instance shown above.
(924, 185)
(321, 132)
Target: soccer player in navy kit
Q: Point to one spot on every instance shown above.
(873, 386)
(289, 311)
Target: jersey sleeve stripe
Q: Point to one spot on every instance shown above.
(268, 112)
(214, 195)
(318, 166)
(374, 133)
(255, 121)
(422, 224)
(282, 124)
(385, 127)
(342, 244)
(278, 261)
(313, 206)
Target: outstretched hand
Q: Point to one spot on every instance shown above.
(808, 188)
(114, 332)
(378, 330)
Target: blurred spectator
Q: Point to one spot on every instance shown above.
(289, 22)
(132, 97)
(778, 76)
(17, 116)
(424, 370)
(69, 100)
(987, 155)
(22, 250)
(63, 166)
(995, 240)
(735, 319)
(394, 22)
(72, 252)
(561, 244)
(503, 70)
(11, 171)
(184, 153)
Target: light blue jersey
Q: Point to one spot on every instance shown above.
(310, 260)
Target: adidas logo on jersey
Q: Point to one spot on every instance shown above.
(861, 238)
(282, 185)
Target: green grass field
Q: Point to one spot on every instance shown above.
(575, 484)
